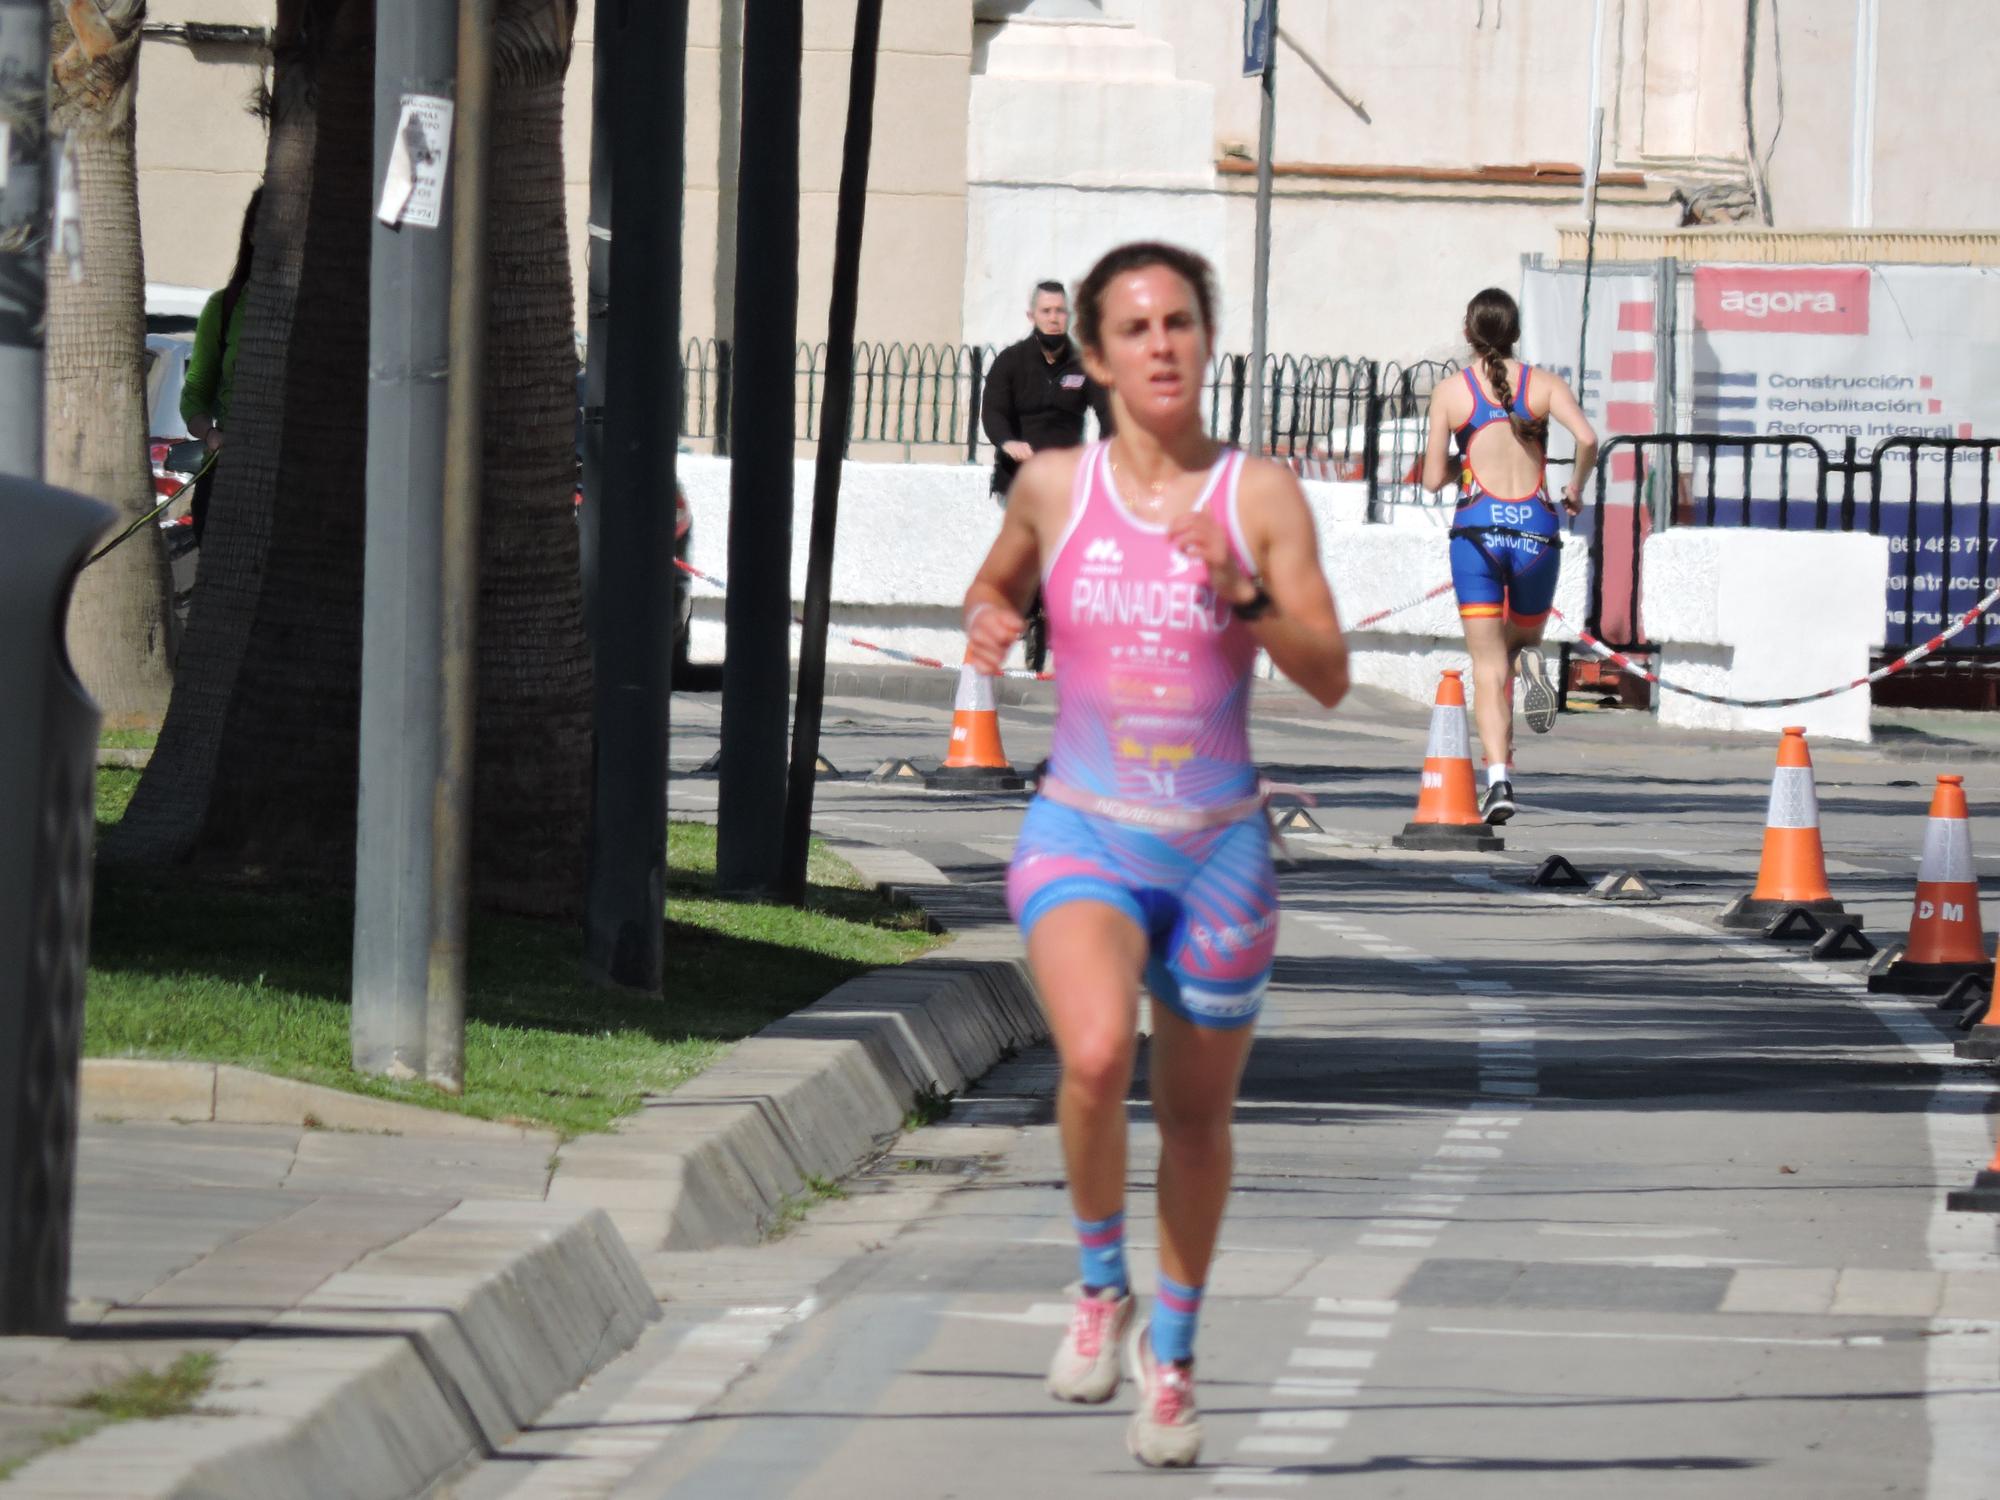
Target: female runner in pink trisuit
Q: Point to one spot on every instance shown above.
(1166, 562)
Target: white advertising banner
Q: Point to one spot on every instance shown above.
(1904, 361)
(1617, 387)
(1838, 352)
(1875, 355)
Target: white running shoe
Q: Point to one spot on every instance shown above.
(1085, 1367)
(1165, 1431)
(1538, 694)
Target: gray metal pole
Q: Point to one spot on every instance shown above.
(408, 296)
(24, 231)
(624, 940)
(750, 821)
(451, 808)
(1260, 305)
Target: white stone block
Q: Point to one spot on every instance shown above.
(1760, 613)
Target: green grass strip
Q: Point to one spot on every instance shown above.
(186, 968)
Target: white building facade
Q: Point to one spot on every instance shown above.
(1423, 147)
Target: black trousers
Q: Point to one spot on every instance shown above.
(198, 504)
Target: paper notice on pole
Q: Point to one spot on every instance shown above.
(413, 187)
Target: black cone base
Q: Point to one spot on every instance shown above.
(1750, 915)
(1462, 837)
(975, 779)
(1983, 1197)
(1905, 978)
(1982, 1046)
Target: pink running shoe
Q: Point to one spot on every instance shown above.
(1085, 1368)
(1165, 1431)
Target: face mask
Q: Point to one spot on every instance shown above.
(1053, 343)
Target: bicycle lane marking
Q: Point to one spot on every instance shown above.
(1962, 1356)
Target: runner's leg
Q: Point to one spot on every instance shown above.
(1087, 957)
(1493, 651)
(1195, 1071)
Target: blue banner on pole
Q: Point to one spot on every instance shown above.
(1259, 32)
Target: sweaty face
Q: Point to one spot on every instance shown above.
(1051, 313)
(1153, 346)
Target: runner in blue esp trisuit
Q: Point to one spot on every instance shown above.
(1505, 535)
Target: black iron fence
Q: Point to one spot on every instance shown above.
(1333, 418)
(1930, 497)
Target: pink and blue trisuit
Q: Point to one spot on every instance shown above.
(1150, 804)
(1504, 551)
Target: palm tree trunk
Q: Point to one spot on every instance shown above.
(172, 803)
(284, 793)
(121, 615)
(256, 766)
(532, 779)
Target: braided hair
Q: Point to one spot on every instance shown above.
(1493, 327)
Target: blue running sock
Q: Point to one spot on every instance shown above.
(1176, 1310)
(1100, 1245)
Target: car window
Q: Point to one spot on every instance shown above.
(166, 372)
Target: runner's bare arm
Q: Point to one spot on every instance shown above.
(1563, 407)
(1005, 582)
(1440, 468)
(1300, 629)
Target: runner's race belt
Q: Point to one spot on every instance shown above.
(1149, 815)
(1473, 534)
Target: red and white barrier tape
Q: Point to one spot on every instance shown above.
(1909, 658)
(1382, 614)
(1585, 639)
(854, 640)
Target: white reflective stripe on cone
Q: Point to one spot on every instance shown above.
(975, 691)
(1947, 851)
(1794, 803)
(1449, 739)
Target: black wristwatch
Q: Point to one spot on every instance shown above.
(1259, 603)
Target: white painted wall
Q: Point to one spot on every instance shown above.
(911, 537)
(1765, 614)
(1082, 137)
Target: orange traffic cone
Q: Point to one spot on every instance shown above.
(1448, 805)
(974, 759)
(1946, 942)
(1792, 873)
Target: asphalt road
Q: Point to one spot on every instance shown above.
(1536, 1196)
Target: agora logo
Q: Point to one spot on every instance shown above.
(1763, 304)
(1788, 299)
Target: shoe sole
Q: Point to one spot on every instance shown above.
(1499, 815)
(1538, 697)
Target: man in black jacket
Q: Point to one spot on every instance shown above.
(1036, 397)
(1037, 391)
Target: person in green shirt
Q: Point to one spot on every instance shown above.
(211, 368)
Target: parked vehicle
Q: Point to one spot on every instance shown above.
(175, 456)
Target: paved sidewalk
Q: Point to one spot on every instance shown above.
(189, 1237)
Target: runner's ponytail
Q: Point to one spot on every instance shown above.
(1493, 327)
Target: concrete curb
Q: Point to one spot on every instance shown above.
(430, 1352)
(170, 1091)
(813, 1095)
